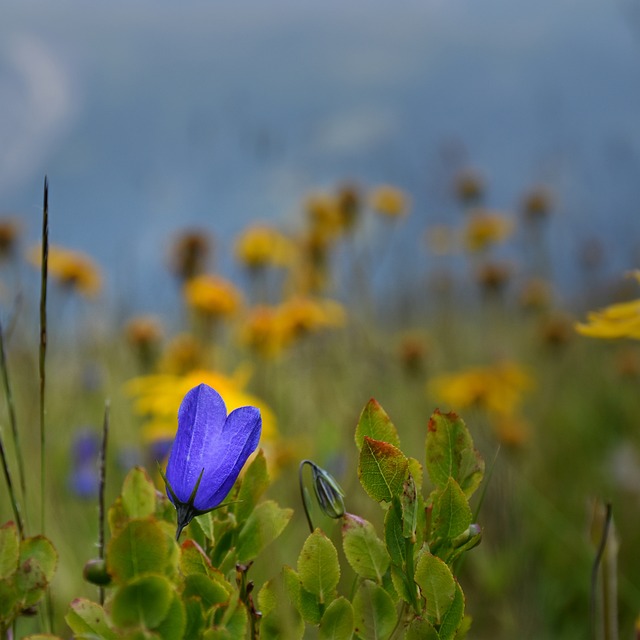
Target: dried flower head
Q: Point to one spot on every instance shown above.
(189, 254)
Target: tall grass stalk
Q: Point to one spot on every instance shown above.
(43, 349)
(103, 475)
(12, 415)
(15, 505)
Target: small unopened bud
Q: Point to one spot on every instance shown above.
(328, 492)
(95, 572)
(469, 538)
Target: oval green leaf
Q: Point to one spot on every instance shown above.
(318, 566)
(338, 621)
(382, 469)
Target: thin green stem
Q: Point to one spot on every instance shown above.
(43, 348)
(103, 475)
(15, 505)
(12, 415)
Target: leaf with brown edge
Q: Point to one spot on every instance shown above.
(375, 423)
(382, 469)
(450, 453)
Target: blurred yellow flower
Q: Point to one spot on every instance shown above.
(263, 331)
(620, 320)
(323, 214)
(389, 201)
(497, 389)
(72, 269)
(158, 397)
(302, 315)
(260, 246)
(212, 296)
(485, 228)
(183, 354)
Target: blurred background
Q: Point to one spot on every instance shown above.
(149, 117)
(309, 204)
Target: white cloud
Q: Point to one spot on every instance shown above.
(37, 105)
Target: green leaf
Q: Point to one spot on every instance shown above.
(205, 523)
(89, 620)
(410, 507)
(406, 591)
(41, 636)
(306, 603)
(9, 549)
(30, 581)
(437, 584)
(415, 469)
(9, 600)
(364, 551)
(376, 424)
(43, 552)
(382, 469)
(254, 483)
(175, 621)
(143, 601)
(117, 516)
(138, 494)
(211, 593)
(393, 537)
(268, 597)
(453, 617)
(193, 559)
(264, 525)
(140, 547)
(451, 512)
(194, 612)
(421, 629)
(450, 453)
(337, 622)
(374, 612)
(318, 566)
(277, 625)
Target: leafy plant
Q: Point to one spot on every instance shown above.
(405, 578)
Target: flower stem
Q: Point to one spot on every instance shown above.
(103, 474)
(43, 347)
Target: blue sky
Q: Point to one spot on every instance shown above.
(151, 116)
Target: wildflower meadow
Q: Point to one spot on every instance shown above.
(300, 453)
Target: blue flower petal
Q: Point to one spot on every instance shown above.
(237, 442)
(201, 419)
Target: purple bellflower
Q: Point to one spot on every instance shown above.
(208, 452)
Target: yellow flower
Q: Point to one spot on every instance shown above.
(72, 269)
(158, 397)
(497, 389)
(212, 296)
(389, 201)
(302, 315)
(143, 331)
(324, 214)
(485, 228)
(620, 320)
(260, 246)
(183, 354)
(263, 331)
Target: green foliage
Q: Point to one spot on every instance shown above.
(26, 569)
(405, 584)
(161, 589)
